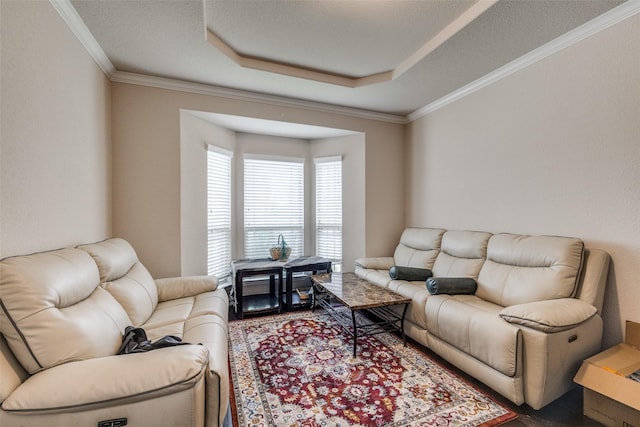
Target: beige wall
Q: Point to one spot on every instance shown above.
(147, 168)
(552, 149)
(352, 149)
(55, 140)
(195, 135)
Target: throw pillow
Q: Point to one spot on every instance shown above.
(451, 285)
(409, 273)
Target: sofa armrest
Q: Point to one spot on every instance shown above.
(111, 380)
(181, 287)
(550, 315)
(376, 263)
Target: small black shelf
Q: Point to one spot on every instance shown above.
(297, 302)
(259, 304)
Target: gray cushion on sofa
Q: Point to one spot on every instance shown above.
(451, 285)
(409, 273)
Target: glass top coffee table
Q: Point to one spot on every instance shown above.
(335, 290)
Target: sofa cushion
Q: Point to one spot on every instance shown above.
(475, 327)
(54, 310)
(114, 257)
(418, 294)
(377, 277)
(418, 247)
(125, 277)
(177, 312)
(521, 269)
(462, 254)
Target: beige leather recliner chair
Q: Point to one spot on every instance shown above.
(62, 317)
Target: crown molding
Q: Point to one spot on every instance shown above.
(73, 20)
(80, 30)
(241, 95)
(604, 21)
(70, 16)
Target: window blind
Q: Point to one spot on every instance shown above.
(219, 213)
(273, 205)
(329, 208)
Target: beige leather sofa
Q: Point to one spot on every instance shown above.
(535, 315)
(62, 317)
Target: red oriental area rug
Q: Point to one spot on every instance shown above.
(298, 370)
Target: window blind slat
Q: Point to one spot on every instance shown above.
(218, 213)
(329, 209)
(273, 205)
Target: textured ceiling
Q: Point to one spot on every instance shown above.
(342, 37)
(355, 38)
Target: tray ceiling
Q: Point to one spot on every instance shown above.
(420, 51)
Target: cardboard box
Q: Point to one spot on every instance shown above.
(610, 396)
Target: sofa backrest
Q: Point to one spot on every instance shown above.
(53, 309)
(124, 277)
(418, 247)
(521, 269)
(462, 254)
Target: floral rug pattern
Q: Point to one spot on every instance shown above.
(298, 370)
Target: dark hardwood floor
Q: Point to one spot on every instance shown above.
(565, 411)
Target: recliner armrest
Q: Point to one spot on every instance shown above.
(376, 263)
(180, 287)
(111, 380)
(550, 315)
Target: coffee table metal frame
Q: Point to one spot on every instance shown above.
(332, 291)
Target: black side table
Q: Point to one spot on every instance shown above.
(257, 267)
(313, 264)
